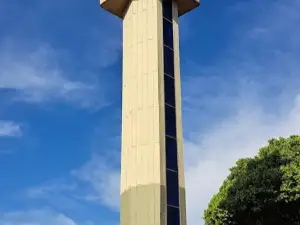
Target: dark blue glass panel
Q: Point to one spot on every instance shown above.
(168, 33)
(173, 216)
(169, 91)
(172, 188)
(170, 120)
(171, 154)
(169, 61)
(167, 9)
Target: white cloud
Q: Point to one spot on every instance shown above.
(56, 186)
(35, 217)
(9, 129)
(211, 154)
(34, 76)
(100, 173)
(96, 181)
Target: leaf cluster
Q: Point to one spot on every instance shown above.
(262, 190)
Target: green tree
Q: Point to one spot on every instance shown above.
(263, 190)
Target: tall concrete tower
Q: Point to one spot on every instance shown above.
(152, 173)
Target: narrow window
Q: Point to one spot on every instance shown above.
(167, 9)
(169, 61)
(172, 188)
(169, 91)
(171, 154)
(173, 216)
(168, 33)
(170, 121)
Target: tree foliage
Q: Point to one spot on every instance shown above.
(262, 190)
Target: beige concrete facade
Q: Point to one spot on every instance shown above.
(142, 183)
(143, 160)
(143, 169)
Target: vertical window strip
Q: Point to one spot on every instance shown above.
(172, 180)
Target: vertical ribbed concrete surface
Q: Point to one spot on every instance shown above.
(143, 167)
(141, 141)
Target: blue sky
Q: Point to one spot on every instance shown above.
(60, 98)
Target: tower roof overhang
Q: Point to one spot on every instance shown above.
(118, 7)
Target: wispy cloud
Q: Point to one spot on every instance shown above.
(93, 184)
(210, 154)
(44, 216)
(103, 176)
(9, 129)
(56, 186)
(97, 181)
(40, 217)
(35, 77)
